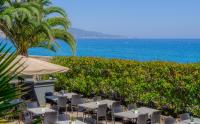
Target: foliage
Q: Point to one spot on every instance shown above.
(29, 23)
(38, 120)
(9, 69)
(172, 87)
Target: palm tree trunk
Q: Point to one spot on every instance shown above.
(22, 51)
(22, 47)
(24, 54)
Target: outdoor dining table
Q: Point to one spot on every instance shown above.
(40, 110)
(55, 97)
(195, 121)
(94, 105)
(133, 115)
(68, 122)
(68, 95)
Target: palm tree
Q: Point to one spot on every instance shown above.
(33, 26)
(9, 69)
(17, 11)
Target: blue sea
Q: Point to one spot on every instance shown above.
(173, 50)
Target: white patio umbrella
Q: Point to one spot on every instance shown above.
(39, 67)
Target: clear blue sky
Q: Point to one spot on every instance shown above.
(136, 18)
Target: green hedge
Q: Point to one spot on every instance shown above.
(176, 87)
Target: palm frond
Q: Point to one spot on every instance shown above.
(28, 23)
(7, 20)
(35, 10)
(47, 30)
(54, 9)
(58, 21)
(66, 37)
(7, 73)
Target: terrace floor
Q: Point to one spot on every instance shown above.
(74, 114)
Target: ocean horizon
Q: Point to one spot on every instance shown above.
(169, 50)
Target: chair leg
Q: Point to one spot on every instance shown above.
(77, 110)
(66, 109)
(71, 109)
(113, 120)
(83, 117)
(106, 119)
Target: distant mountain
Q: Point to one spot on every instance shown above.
(81, 34)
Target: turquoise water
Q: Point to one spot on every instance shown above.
(175, 50)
